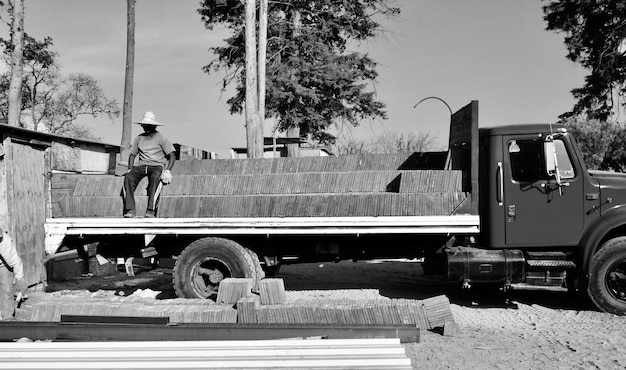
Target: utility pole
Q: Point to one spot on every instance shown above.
(127, 109)
(254, 80)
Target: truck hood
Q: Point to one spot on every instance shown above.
(612, 185)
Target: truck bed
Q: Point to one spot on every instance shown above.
(359, 194)
(57, 229)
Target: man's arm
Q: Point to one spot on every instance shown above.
(9, 254)
(131, 161)
(171, 159)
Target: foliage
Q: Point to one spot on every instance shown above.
(595, 38)
(594, 139)
(389, 142)
(40, 77)
(313, 81)
(603, 144)
(80, 96)
(51, 103)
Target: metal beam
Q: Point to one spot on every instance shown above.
(12, 330)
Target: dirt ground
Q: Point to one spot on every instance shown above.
(524, 329)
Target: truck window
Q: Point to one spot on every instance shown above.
(528, 162)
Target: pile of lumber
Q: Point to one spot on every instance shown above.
(380, 353)
(360, 185)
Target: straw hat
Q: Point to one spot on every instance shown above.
(149, 119)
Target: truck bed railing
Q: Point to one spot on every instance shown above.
(58, 228)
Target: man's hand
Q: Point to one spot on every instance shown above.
(166, 177)
(20, 286)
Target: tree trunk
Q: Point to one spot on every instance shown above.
(262, 53)
(127, 109)
(293, 150)
(253, 124)
(15, 87)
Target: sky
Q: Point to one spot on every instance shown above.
(494, 51)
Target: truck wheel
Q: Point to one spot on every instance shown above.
(207, 261)
(607, 277)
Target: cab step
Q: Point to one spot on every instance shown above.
(547, 268)
(559, 264)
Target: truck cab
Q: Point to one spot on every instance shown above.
(546, 218)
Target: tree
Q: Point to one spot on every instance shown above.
(313, 81)
(40, 75)
(615, 158)
(595, 34)
(16, 8)
(602, 143)
(594, 138)
(79, 96)
(254, 124)
(389, 142)
(127, 112)
(50, 103)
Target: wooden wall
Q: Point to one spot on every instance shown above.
(27, 161)
(25, 189)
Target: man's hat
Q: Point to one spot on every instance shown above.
(149, 119)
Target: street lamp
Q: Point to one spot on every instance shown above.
(437, 98)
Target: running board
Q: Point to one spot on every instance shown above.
(560, 264)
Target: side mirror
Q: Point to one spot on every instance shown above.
(551, 165)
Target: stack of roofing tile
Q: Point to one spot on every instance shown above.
(345, 312)
(247, 309)
(181, 313)
(274, 307)
(360, 185)
(438, 311)
(232, 290)
(359, 162)
(272, 291)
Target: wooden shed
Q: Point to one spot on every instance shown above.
(27, 160)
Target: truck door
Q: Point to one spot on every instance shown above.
(537, 210)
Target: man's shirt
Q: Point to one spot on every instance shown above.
(151, 149)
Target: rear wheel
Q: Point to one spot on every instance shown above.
(207, 261)
(607, 277)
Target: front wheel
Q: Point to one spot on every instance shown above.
(206, 262)
(607, 277)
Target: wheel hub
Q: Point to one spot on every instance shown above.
(215, 275)
(617, 281)
(207, 275)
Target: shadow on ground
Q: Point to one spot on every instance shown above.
(391, 278)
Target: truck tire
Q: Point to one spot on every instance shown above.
(607, 277)
(207, 261)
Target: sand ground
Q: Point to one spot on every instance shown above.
(523, 329)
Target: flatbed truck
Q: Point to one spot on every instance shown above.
(528, 212)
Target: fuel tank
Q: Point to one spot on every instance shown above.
(473, 265)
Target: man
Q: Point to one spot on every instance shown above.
(11, 269)
(155, 158)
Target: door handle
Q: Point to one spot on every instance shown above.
(500, 192)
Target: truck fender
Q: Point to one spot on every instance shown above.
(597, 233)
